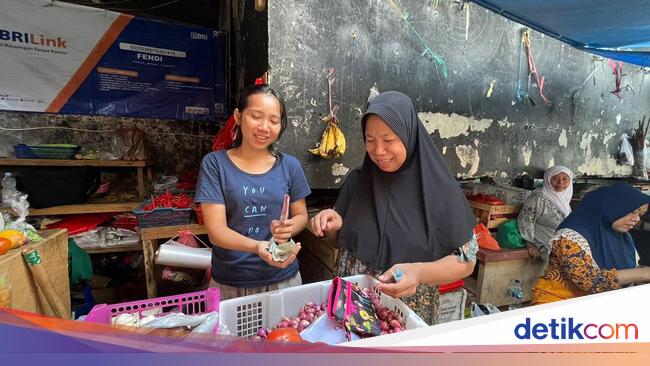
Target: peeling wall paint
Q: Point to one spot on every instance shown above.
(608, 136)
(562, 140)
(585, 142)
(454, 125)
(527, 152)
(468, 156)
(604, 167)
(339, 169)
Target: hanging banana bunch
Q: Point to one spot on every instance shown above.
(332, 142)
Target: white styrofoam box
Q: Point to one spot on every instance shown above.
(452, 306)
(243, 316)
(509, 194)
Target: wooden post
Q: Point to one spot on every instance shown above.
(149, 252)
(141, 182)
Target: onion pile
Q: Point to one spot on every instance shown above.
(308, 313)
(389, 320)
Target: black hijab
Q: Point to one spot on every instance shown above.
(416, 214)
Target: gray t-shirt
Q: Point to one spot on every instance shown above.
(252, 201)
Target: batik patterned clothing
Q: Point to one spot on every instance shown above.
(572, 271)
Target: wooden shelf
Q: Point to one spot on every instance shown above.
(139, 165)
(84, 208)
(73, 162)
(164, 232)
(137, 247)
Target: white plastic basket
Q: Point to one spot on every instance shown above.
(243, 316)
(452, 306)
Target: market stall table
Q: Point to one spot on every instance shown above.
(496, 272)
(25, 294)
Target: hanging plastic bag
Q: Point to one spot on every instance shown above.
(225, 137)
(176, 274)
(485, 239)
(625, 153)
(130, 143)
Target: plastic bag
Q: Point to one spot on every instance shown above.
(625, 153)
(509, 237)
(483, 309)
(225, 137)
(130, 143)
(175, 320)
(175, 274)
(485, 239)
(18, 202)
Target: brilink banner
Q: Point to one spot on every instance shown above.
(63, 58)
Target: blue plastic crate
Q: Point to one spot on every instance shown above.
(162, 216)
(23, 151)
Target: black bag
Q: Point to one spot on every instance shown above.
(53, 186)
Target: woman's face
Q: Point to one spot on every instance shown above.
(384, 147)
(260, 121)
(560, 182)
(627, 222)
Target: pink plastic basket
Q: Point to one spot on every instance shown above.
(199, 302)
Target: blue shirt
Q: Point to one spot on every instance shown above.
(252, 201)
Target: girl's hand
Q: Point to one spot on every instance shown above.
(406, 286)
(268, 258)
(281, 230)
(326, 220)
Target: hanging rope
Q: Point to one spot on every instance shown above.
(532, 69)
(330, 82)
(428, 52)
(521, 95)
(617, 70)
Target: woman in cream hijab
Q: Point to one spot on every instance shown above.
(545, 209)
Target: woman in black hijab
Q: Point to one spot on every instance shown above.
(402, 209)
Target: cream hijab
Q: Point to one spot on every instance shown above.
(560, 199)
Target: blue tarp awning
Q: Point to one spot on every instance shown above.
(614, 29)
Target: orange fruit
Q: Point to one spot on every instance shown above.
(16, 237)
(5, 245)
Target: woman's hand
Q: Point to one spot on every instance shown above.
(406, 286)
(326, 221)
(282, 230)
(262, 251)
(533, 251)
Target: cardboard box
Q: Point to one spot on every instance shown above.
(24, 292)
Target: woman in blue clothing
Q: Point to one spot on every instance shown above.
(241, 191)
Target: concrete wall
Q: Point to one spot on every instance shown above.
(368, 43)
(175, 146)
